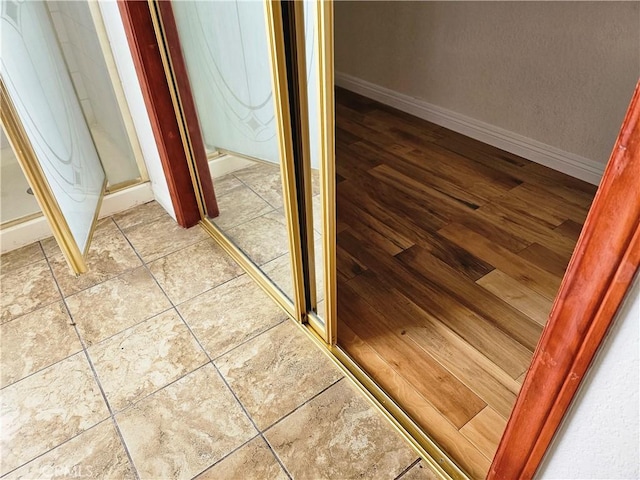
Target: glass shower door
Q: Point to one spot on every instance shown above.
(44, 122)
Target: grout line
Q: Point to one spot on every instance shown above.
(313, 397)
(406, 470)
(4, 475)
(202, 348)
(261, 197)
(96, 378)
(277, 457)
(247, 340)
(129, 327)
(231, 390)
(43, 368)
(226, 456)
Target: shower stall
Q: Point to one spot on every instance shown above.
(73, 37)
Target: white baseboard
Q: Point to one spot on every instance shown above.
(547, 155)
(225, 164)
(36, 229)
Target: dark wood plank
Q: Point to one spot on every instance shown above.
(548, 260)
(525, 272)
(403, 225)
(457, 248)
(515, 324)
(504, 351)
(570, 229)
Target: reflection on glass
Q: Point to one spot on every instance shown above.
(225, 48)
(34, 74)
(16, 198)
(76, 32)
(313, 102)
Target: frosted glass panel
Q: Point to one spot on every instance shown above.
(39, 85)
(225, 48)
(82, 51)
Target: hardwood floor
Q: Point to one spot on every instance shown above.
(450, 253)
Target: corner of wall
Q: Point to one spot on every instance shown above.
(547, 155)
(133, 93)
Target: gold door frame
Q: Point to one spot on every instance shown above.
(323, 332)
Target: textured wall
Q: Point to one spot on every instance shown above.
(561, 73)
(601, 433)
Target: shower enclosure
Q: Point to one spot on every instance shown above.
(62, 50)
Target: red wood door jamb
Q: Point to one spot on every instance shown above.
(147, 59)
(600, 272)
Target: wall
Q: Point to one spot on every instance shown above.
(560, 73)
(133, 93)
(601, 433)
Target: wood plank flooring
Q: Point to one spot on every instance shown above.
(450, 253)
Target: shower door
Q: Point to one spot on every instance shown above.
(44, 123)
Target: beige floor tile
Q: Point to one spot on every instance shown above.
(145, 358)
(420, 471)
(253, 461)
(316, 203)
(144, 213)
(263, 238)
(279, 271)
(226, 184)
(109, 255)
(185, 427)
(194, 270)
(35, 341)
(265, 180)
(238, 207)
(112, 306)
(104, 227)
(96, 453)
(26, 289)
(230, 314)
(161, 237)
(48, 408)
(276, 372)
(315, 182)
(339, 434)
(21, 257)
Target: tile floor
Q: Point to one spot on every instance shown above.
(166, 361)
(251, 215)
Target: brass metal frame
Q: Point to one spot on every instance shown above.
(295, 306)
(306, 150)
(324, 54)
(28, 161)
(281, 101)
